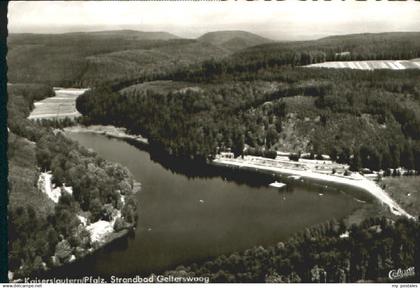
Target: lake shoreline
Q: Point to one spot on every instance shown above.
(358, 214)
(107, 240)
(107, 130)
(357, 181)
(203, 194)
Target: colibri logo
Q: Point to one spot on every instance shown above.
(400, 273)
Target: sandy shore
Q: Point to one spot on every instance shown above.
(355, 180)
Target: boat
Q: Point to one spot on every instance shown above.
(277, 184)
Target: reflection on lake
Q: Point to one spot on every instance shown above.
(184, 219)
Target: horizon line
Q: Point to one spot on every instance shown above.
(306, 38)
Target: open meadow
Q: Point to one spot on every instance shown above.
(404, 190)
(62, 105)
(371, 64)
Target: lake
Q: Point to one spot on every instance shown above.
(184, 219)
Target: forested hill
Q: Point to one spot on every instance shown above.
(329, 253)
(106, 34)
(43, 234)
(128, 34)
(262, 60)
(233, 40)
(89, 59)
(255, 99)
(124, 57)
(382, 46)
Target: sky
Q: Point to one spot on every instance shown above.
(278, 20)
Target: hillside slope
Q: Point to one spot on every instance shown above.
(86, 59)
(339, 114)
(233, 40)
(131, 34)
(45, 231)
(380, 46)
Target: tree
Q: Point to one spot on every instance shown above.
(355, 163)
(294, 156)
(38, 264)
(417, 157)
(107, 211)
(119, 224)
(95, 209)
(272, 136)
(407, 157)
(238, 145)
(370, 158)
(63, 251)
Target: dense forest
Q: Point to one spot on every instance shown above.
(362, 118)
(256, 99)
(328, 253)
(380, 46)
(256, 60)
(233, 40)
(193, 99)
(88, 59)
(43, 234)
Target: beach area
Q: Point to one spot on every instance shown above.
(310, 170)
(355, 180)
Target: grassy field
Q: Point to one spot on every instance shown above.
(405, 191)
(62, 105)
(371, 65)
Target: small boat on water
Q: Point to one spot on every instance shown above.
(277, 184)
(358, 200)
(294, 177)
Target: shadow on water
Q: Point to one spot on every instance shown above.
(201, 169)
(190, 169)
(251, 177)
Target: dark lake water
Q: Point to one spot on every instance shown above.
(184, 220)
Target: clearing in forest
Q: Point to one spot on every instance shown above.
(62, 105)
(371, 64)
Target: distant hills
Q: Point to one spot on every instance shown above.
(233, 40)
(89, 58)
(108, 34)
(137, 35)
(352, 47)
